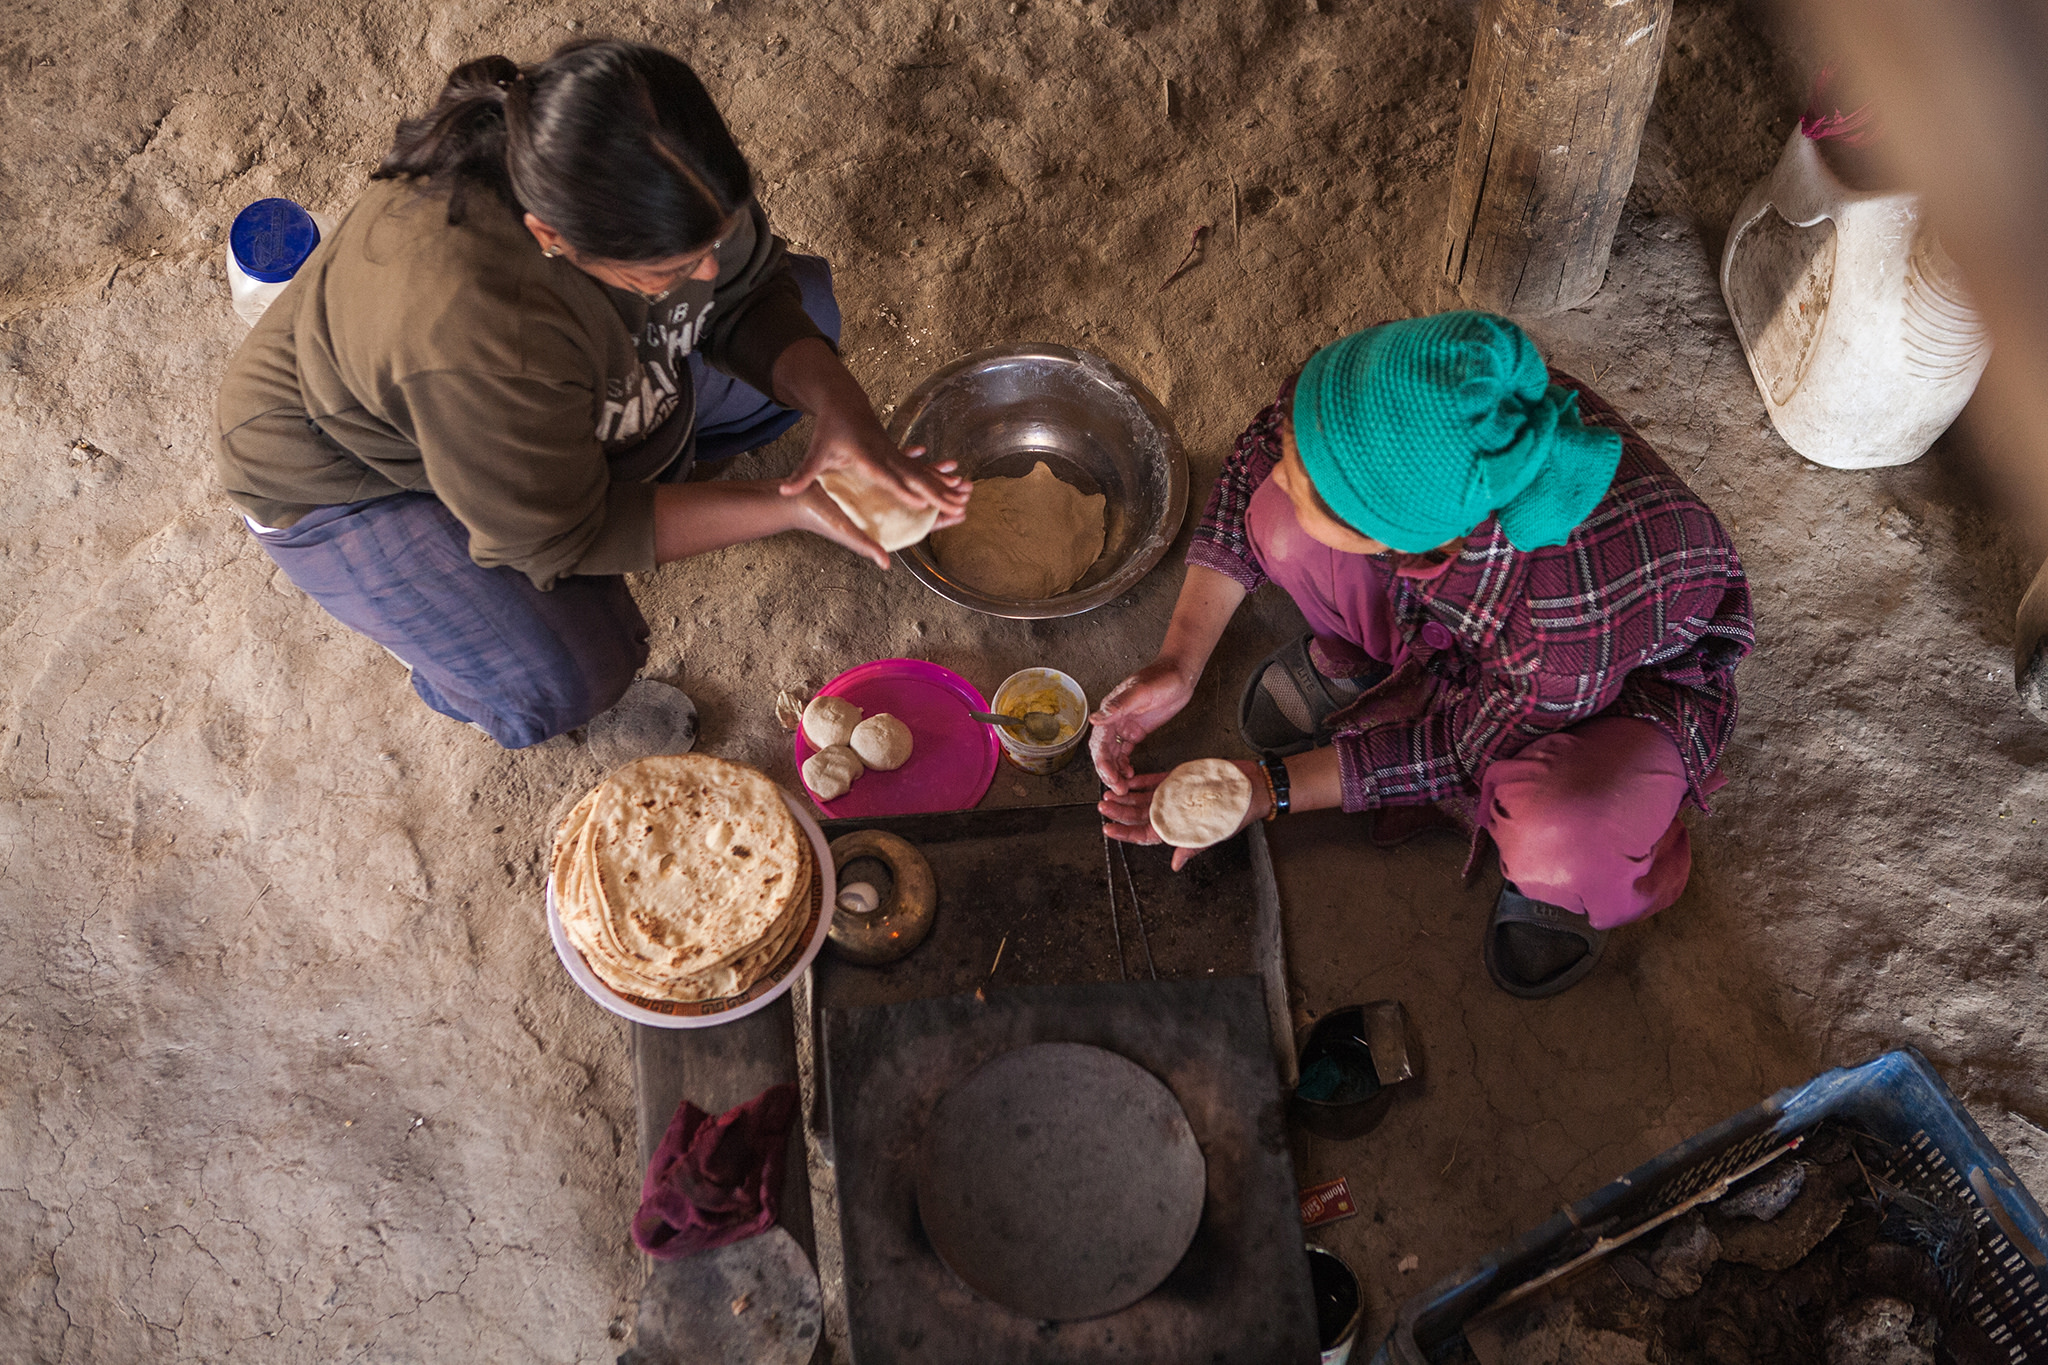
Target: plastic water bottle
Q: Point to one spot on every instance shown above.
(268, 243)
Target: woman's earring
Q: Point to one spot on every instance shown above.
(551, 252)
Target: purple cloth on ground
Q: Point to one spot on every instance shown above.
(715, 1181)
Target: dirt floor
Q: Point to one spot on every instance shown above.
(292, 1072)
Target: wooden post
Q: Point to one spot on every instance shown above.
(1547, 148)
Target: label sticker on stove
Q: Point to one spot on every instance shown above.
(1327, 1202)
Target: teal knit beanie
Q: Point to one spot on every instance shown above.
(1416, 432)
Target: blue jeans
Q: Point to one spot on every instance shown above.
(485, 645)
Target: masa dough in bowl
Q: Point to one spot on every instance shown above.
(1024, 539)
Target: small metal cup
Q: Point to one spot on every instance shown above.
(1369, 1048)
(1340, 1305)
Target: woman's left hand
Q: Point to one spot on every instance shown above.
(1128, 815)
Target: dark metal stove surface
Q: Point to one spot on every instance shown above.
(1034, 881)
(1027, 948)
(1241, 1294)
(1024, 898)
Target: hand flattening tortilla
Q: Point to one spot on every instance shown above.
(1201, 803)
(881, 516)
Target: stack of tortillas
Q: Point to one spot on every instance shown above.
(682, 878)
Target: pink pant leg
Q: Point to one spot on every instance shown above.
(1587, 818)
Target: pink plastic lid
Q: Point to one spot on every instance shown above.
(953, 756)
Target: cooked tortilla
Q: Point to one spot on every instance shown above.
(714, 983)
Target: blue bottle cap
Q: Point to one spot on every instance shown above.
(272, 238)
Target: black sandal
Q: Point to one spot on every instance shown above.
(1528, 943)
(1286, 703)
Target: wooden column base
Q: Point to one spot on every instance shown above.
(1553, 119)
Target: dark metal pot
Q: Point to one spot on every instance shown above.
(1351, 1062)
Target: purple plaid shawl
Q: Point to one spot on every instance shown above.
(1644, 612)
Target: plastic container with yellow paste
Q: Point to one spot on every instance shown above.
(1034, 690)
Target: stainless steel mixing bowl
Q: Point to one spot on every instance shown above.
(1002, 410)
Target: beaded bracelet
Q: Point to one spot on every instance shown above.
(1276, 786)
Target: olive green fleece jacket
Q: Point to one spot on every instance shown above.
(409, 354)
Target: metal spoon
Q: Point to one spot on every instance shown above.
(1040, 727)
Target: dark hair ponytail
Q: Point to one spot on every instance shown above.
(461, 140)
(616, 146)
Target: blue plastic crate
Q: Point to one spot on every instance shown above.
(1897, 1098)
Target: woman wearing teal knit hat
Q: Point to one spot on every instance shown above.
(1520, 622)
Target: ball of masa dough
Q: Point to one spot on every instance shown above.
(829, 773)
(882, 741)
(829, 721)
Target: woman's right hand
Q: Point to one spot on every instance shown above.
(1135, 708)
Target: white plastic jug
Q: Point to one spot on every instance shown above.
(1853, 318)
(269, 241)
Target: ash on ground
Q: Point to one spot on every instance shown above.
(1816, 1257)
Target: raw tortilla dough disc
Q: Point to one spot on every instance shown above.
(829, 721)
(1024, 539)
(878, 512)
(830, 773)
(1201, 803)
(882, 741)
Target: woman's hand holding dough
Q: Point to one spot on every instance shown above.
(810, 378)
(1136, 707)
(1127, 814)
(839, 443)
(1156, 693)
(818, 514)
